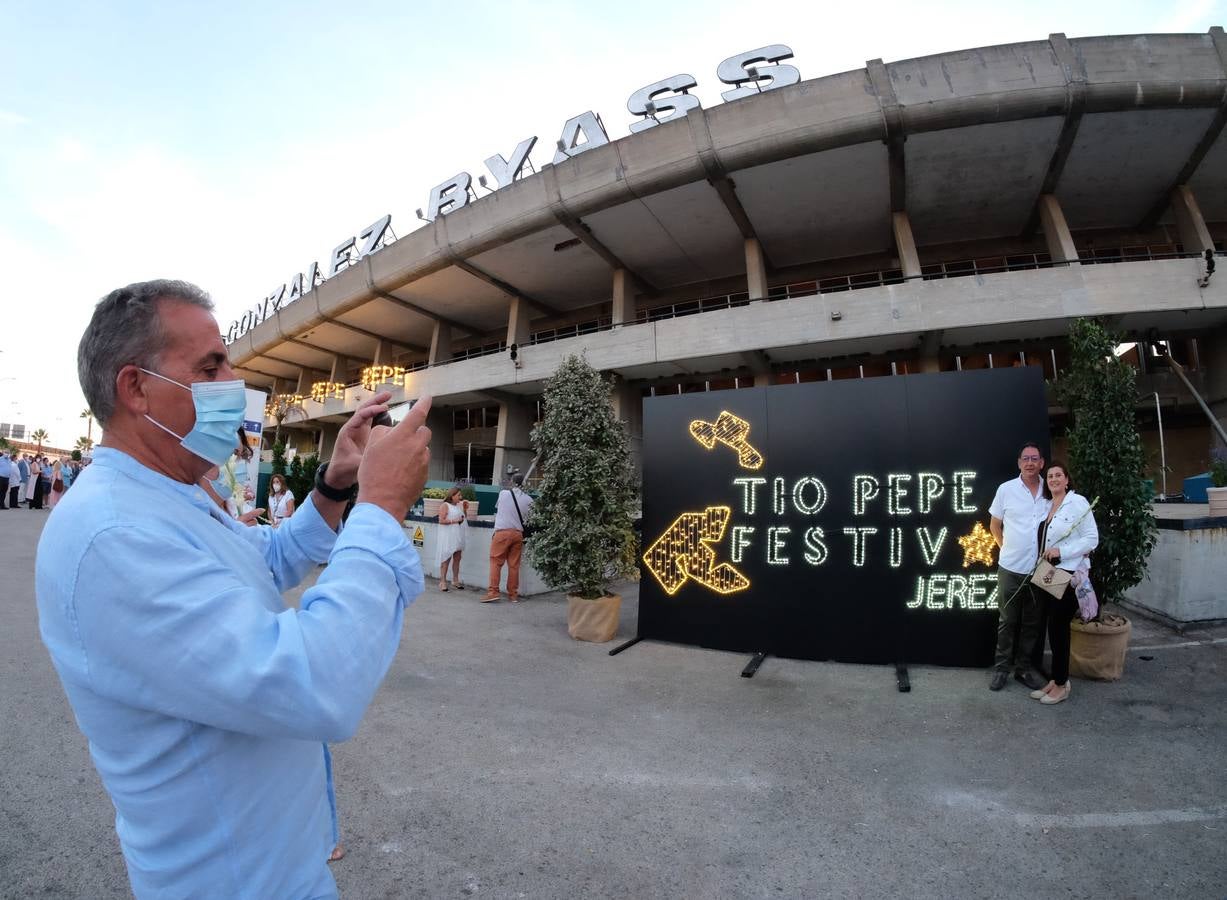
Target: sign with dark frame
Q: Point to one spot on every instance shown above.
(841, 520)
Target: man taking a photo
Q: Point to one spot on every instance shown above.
(206, 702)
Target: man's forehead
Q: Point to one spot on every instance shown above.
(187, 323)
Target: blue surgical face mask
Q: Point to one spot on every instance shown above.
(220, 409)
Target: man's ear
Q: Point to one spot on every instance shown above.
(130, 391)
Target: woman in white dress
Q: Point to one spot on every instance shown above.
(280, 501)
(452, 527)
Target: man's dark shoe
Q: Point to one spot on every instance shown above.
(1030, 679)
(998, 682)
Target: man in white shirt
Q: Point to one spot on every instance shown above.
(507, 545)
(1017, 511)
(6, 472)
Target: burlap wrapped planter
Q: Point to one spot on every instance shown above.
(593, 620)
(1097, 649)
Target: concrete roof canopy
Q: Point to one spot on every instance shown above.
(964, 143)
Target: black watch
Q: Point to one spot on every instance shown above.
(340, 495)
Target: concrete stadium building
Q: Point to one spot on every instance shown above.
(951, 211)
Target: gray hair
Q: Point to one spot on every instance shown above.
(126, 330)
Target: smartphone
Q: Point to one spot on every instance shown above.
(395, 415)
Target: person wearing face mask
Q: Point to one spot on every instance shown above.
(280, 500)
(207, 703)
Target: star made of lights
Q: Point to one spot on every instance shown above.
(978, 546)
(731, 431)
(682, 552)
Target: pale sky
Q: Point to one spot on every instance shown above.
(232, 144)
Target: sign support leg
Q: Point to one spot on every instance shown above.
(632, 642)
(901, 678)
(752, 665)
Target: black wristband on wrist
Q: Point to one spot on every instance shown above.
(340, 495)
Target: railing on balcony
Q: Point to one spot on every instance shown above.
(575, 329)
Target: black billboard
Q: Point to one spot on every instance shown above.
(842, 520)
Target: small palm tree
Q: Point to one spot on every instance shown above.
(85, 444)
(88, 415)
(40, 435)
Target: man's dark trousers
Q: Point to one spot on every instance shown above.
(15, 495)
(4, 491)
(1018, 622)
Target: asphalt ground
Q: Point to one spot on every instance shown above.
(502, 759)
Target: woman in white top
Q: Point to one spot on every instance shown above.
(1068, 535)
(452, 526)
(280, 500)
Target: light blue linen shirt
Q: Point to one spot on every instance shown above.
(204, 699)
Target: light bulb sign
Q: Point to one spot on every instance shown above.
(844, 520)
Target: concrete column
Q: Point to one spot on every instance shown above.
(518, 330)
(328, 440)
(905, 245)
(305, 380)
(756, 270)
(628, 407)
(440, 421)
(383, 354)
(1212, 351)
(623, 298)
(1056, 230)
(1193, 232)
(930, 347)
(440, 345)
(514, 424)
(340, 367)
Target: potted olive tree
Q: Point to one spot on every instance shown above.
(1107, 462)
(583, 517)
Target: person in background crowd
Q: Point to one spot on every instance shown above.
(6, 472)
(23, 479)
(230, 479)
(1067, 535)
(211, 482)
(45, 481)
(58, 487)
(507, 545)
(205, 701)
(1018, 508)
(280, 500)
(452, 531)
(34, 496)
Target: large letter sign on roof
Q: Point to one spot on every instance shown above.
(751, 79)
(662, 101)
